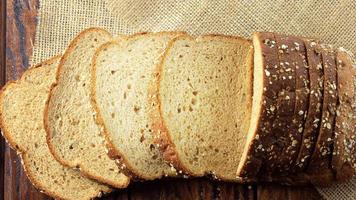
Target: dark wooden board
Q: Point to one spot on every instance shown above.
(18, 25)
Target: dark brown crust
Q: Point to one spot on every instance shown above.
(22, 152)
(113, 152)
(320, 161)
(256, 154)
(313, 119)
(287, 120)
(302, 93)
(69, 50)
(344, 152)
(263, 139)
(280, 147)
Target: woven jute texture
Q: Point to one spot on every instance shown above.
(332, 21)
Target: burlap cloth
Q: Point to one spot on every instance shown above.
(333, 21)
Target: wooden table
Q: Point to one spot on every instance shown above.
(18, 24)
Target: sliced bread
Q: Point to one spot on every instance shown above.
(344, 152)
(320, 161)
(290, 109)
(121, 76)
(22, 106)
(72, 134)
(312, 123)
(319, 166)
(302, 94)
(204, 99)
(262, 146)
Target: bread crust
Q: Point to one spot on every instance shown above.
(258, 150)
(344, 152)
(288, 123)
(64, 58)
(254, 166)
(21, 151)
(302, 95)
(320, 161)
(312, 123)
(113, 152)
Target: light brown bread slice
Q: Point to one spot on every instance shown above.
(22, 106)
(122, 74)
(204, 96)
(72, 134)
(344, 152)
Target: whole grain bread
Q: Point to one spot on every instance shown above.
(302, 96)
(320, 161)
(312, 123)
(121, 78)
(344, 151)
(263, 144)
(290, 112)
(22, 106)
(72, 134)
(204, 100)
(266, 89)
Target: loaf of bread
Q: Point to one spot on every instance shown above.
(204, 100)
(22, 106)
(72, 134)
(122, 74)
(151, 105)
(276, 149)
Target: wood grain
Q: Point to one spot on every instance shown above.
(20, 26)
(2, 82)
(20, 31)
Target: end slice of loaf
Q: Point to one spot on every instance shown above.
(122, 74)
(344, 152)
(22, 106)
(72, 134)
(204, 96)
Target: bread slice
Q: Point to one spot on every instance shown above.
(312, 123)
(72, 134)
(122, 74)
(320, 161)
(21, 115)
(302, 94)
(262, 146)
(291, 108)
(204, 97)
(344, 152)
